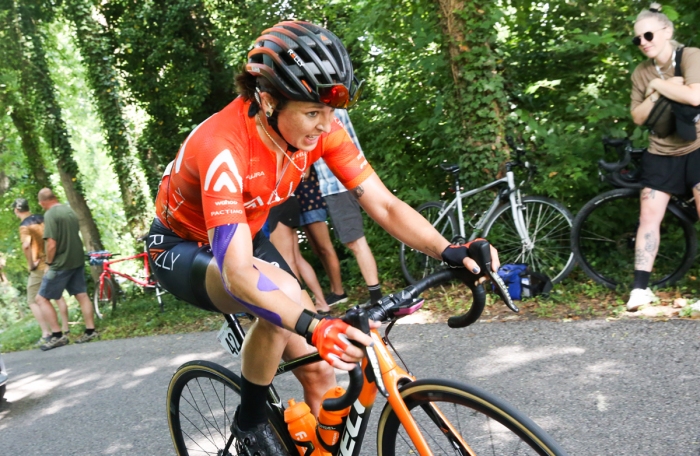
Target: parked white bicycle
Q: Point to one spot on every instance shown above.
(534, 230)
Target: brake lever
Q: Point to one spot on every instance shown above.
(359, 318)
(480, 251)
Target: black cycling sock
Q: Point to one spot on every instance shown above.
(89, 331)
(57, 334)
(375, 292)
(253, 405)
(641, 279)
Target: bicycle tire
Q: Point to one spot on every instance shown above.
(416, 265)
(608, 223)
(108, 294)
(549, 225)
(210, 383)
(487, 424)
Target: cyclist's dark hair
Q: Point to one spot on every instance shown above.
(246, 84)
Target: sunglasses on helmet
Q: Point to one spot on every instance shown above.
(338, 96)
(648, 36)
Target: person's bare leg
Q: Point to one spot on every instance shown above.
(63, 310)
(309, 276)
(696, 194)
(86, 309)
(265, 343)
(49, 313)
(283, 238)
(39, 316)
(320, 239)
(653, 208)
(365, 260)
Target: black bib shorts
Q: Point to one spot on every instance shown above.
(181, 265)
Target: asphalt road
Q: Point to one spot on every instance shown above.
(599, 388)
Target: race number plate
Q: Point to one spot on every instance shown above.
(228, 340)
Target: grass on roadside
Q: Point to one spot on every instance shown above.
(137, 315)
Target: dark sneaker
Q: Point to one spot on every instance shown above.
(55, 342)
(333, 299)
(42, 340)
(87, 337)
(260, 441)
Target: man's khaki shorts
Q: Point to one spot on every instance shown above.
(33, 285)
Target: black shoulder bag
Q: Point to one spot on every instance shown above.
(661, 121)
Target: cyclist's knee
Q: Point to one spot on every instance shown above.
(316, 373)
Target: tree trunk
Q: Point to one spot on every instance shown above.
(55, 129)
(26, 127)
(480, 99)
(98, 54)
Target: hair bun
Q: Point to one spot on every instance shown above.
(655, 7)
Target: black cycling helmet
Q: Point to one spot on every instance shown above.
(305, 62)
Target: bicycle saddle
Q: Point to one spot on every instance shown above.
(454, 169)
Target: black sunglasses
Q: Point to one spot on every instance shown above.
(648, 36)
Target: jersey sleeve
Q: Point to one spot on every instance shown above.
(638, 88)
(691, 65)
(24, 234)
(221, 176)
(344, 159)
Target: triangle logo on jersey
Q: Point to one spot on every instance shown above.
(224, 179)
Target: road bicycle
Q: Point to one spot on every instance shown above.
(425, 417)
(107, 289)
(526, 229)
(605, 229)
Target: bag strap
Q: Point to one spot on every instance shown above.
(679, 58)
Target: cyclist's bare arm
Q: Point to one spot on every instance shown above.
(403, 222)
(251, 286)
(672, 89)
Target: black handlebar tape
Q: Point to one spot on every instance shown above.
(478, 304)
(351, 395)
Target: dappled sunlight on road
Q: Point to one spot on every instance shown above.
(503, 359)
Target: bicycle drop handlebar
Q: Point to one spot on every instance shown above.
(401, 303)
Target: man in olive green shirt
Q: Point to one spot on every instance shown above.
(31, 235)
(65, 257)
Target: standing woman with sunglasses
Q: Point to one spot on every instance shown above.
(672, 164)
(216, 195)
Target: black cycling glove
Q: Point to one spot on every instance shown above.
(454, 255)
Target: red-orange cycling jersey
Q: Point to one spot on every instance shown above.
(224, 174)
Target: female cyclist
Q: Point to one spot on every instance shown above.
(671, 165)
(215, 196)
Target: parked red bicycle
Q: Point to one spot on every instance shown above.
(106, 290)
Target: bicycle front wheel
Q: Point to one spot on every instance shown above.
(416, 265)
(202, 398)
(461, 419)
(102, 297)
(548, 224)
(604, 238)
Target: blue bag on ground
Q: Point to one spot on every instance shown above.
(510, 273)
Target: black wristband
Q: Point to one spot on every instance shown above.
(303, 323)
(454, 255)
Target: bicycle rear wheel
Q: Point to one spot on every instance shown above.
(461, 419)
(416, 265)
(604, 235)
(102, 298)
(548, 224)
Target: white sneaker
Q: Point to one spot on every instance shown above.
(640, 297)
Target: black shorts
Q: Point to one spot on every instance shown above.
(675, 175)
(286, 213)
(346, 216)
(181, 265)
